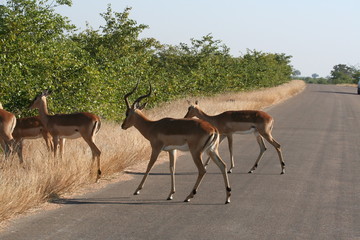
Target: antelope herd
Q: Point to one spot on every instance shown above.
(197, 135)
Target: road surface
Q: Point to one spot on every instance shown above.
(317, 198)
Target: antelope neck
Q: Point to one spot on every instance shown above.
(202, 115)
(43, 112)
(142, 123)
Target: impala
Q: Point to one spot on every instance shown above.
(7, 125)
(241, 122)
(170, 135)
(31, 128)
(74, 125)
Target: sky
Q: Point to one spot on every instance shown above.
(318, 34)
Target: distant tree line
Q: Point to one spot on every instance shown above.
(91, 70)
(340, 74)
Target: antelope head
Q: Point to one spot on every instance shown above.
(39, 99)
(193, 110)
(133, 110)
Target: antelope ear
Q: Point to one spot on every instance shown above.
(196, 102)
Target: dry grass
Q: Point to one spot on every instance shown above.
(255, 100)
(42, 178)
(347, 85)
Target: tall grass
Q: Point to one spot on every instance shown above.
(42, 177)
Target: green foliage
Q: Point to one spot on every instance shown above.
(34, 51)
(317, 80)
(314, 75)
(93, 69)
(342, 73)
(296, 73)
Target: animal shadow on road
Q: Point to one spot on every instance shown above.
(110, 201)
(346, 93)
(122, 201)
(168, 174)
(161, 174)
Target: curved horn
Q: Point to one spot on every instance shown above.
(142, 97)
(128, 94)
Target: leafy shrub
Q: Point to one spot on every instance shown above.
(92, 70)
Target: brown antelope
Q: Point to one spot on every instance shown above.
(241, 122)
(170, 135)
(7, 125)
(30, 128)
(74, 125)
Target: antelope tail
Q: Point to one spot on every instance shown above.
(13, 125)
(96, 128)
(212, 142)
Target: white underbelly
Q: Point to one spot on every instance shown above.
(71, 136)
(251, 130)
(183, 148)
(70, 132)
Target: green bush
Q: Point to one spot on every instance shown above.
(93, 69)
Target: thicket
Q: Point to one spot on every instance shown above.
(340, 74)
(91, 70)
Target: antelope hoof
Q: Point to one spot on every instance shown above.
(170, 198)
(137, 192)
(227, 201)
(282, 172)
(230, 171)
(187, 200)
(97, 178)
(251, 171)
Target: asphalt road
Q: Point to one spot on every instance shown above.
(317, 198)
